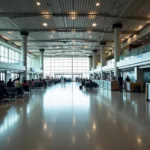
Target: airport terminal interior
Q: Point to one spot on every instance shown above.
(74, 74)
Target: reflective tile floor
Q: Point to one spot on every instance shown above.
(65, 118)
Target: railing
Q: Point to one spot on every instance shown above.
(108, 63)
(135, 52)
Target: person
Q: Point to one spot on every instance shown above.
(25, 86)
(10, 83)
(18, 87)
(17, 83)
(3, 91)
(45, 83)
(127, 79)
(120, 81)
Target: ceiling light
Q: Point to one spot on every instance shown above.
(139, 40)
(9, 32)
(45, 24)
(146, 37)
(133, 43)
(51, 36)
(97, 4)
(90, 36)
(92, 15)
(73, 17)
(89, 32)
(140, 26)
(38, 3)
(94, 24)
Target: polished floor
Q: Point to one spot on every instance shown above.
(65, 118)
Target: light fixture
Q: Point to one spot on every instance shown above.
(92, 15)
(146, 37)
(9, 32)
(51, 36)
(45, 24)
(94, 24)
(139, 40)
(89, 32)
(73, 17)
(90, 36)
(140, 26)
(97, 4)
(38, 3)
(133, 43)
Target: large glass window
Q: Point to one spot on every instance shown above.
(65, 66)
(9, 55)
(2, 76)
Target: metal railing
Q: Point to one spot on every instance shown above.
(135, 52)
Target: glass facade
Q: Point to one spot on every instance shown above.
(9, 55)
(66, 66)
(2, 76)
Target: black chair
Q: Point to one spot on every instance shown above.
(12, 92)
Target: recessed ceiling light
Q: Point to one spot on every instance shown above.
(9, 32)
(45, 24)
(89, 32)
(146, 37)
(140, 26)
(97, 4)
(73, 17)
(139, 40)
(94, 24)
(38, 3)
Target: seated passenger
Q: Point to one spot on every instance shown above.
(25, 86)
(10, 83)
(3, 91)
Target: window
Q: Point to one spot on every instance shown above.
(8, 55)
(65, 66)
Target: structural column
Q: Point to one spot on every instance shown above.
(24, 35)
(117, 45)
(94, 58)
(42, 62)
(102, 57)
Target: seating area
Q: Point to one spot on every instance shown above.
(11, 91)
(88, 84)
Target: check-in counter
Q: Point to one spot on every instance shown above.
(134, 87)
(105, 84)
(114, 85)
(109, 85)
(148, 91)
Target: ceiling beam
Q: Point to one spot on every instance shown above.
(105, 15)
(73, 30)
(69, 40)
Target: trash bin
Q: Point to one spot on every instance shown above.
(138, 89)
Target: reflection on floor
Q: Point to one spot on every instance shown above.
(64, 117)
